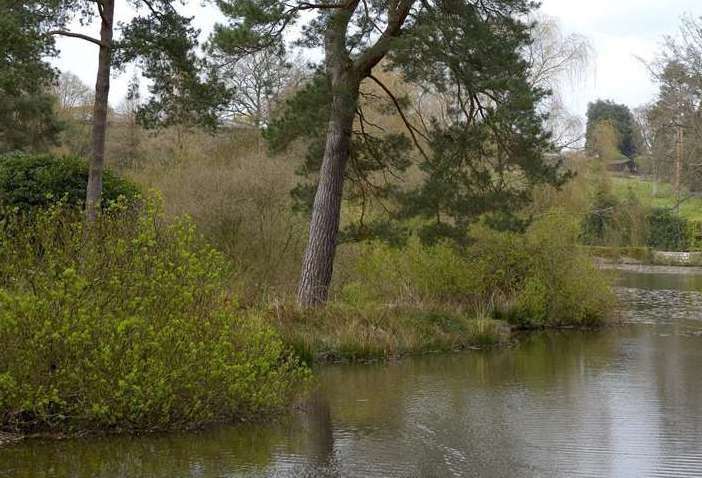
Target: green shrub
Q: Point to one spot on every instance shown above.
(28, 181)
(498, 260)
(131, 329)
(414, 274)
(535, 279)
(668, 231)
(563, 286)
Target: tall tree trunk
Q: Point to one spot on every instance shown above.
(345, 75)
(318, 261)
(102, 91)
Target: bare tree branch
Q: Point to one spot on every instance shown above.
(66, 33)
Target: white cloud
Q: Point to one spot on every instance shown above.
(621, 31)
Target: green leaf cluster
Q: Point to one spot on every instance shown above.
(29, 181)
(131, 330)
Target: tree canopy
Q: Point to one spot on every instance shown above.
(621, 118)
(482, 154)
(470, 55)
(27, 116)
(677, 109)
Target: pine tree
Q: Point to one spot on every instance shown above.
(27, 116)
(164, 43)
(490, 140)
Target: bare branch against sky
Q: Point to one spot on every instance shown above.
(619, 32)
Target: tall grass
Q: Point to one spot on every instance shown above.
(345, 332)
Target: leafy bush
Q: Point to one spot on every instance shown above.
(131, 329)
(562, 285)
(28, 181)
(414, 274)
(538, 278)
(500, 261)
(667, 231)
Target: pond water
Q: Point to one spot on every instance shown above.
(626, 401)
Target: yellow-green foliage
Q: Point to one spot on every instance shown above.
(415, 275)
(127, 327)
(500, 262)
(562, 285)
(538, 278)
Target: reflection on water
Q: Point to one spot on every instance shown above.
(660, 277)
(621, 402)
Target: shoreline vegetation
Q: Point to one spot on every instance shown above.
(186, 257)
(141, 325)
(422, 299)
(128, 326)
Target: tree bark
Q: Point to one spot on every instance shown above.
(345, 75)
(102, 91)
(318, 261)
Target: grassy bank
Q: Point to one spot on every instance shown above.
(664, 196)
(393, 301)
(339, 332)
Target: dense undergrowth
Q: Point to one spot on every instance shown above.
(127, 326)
(139, 324)
(540, 278)
(418, 298)
(386, 300)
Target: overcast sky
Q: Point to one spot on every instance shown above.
(619, 30)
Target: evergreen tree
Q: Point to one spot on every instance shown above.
(488, 145)
(27, 115)
(620, 116)
(164, 43)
